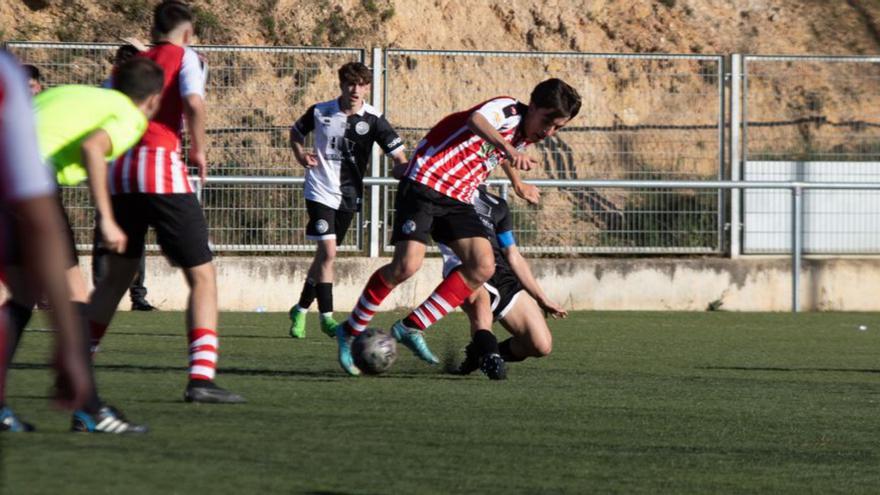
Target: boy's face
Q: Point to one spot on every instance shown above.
(541, 123)
(354, 93)
(35, 87)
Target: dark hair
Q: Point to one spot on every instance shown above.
(139, 78)
(32, 72)
(355, 72)
(559, 96)
(124, 53)
(168, 15)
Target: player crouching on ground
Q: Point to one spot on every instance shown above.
(79, 129)
(501, 299)
(345, 129)
(435, 200)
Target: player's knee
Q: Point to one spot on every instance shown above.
(404, 269)
(485, 269)
(543, 347)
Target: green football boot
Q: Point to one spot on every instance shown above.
(297, 323)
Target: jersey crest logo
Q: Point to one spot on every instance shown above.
(362, 128)
(322, 226)
(408, 227)
(485, 150)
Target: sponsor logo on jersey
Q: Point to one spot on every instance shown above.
(394, 143)
(408, 227)
(322, 226)
(362, 128)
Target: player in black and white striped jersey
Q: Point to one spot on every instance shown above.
(345, 129)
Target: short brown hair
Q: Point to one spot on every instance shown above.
(168, 15)
(139, 78)
(557, 95)
(355, 72)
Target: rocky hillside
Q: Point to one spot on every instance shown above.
(672, 26)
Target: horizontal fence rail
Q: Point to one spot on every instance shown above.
(614, 177)
(645, 116)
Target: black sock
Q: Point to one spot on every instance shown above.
(19, 316)
(325, 297)
(308, 294)
(507, 353)
(93, 404)
(485, 342)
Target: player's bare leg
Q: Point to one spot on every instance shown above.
(321, 271)
(482, 351)
(117, 277)
(201, 319)
(531, 335)
(407, 260)
(201, 310)
(478, 265)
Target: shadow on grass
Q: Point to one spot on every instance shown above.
(175, 334)
(327, 375)
(781, 369)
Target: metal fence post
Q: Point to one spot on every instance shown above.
(796, 248)
(735, 153)
(377, 157)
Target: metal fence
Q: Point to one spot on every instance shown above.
(254, 94)
(643, 117)
(812, 119)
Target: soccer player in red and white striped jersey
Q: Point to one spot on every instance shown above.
(435, 200)
(151, 188)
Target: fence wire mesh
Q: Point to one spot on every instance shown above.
(643, 117)
(813, 119)
(254, 94)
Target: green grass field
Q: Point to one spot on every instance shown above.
(627, 403)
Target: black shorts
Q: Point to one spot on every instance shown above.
(327, 223)
(421, 212)
(11, 252)
(180, 225)
(504, 289)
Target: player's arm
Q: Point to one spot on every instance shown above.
(297, 144)
(514, 159)
(40, 231)
(95, 148)
(398, 171)
(524, 274)
(192, 80)
(196, 112)
(392, 144)
(301, 128)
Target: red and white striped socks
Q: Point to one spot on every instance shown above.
(371, 298)
(451, 292)
(203, 347)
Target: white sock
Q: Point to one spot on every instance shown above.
(301, 310)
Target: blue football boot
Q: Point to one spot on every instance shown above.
(344, 339)
(414, 340)
(10, 422)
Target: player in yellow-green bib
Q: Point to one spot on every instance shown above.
(80, 128)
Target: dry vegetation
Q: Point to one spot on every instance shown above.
(641, 119)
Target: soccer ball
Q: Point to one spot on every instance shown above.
(374, 351)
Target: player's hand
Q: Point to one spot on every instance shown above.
(311, 161)
(112, 237)
(399, 170)
(521, 161)
(552, 309)
(528, 192)
(199, 160)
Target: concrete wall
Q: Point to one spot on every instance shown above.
(745, 284)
